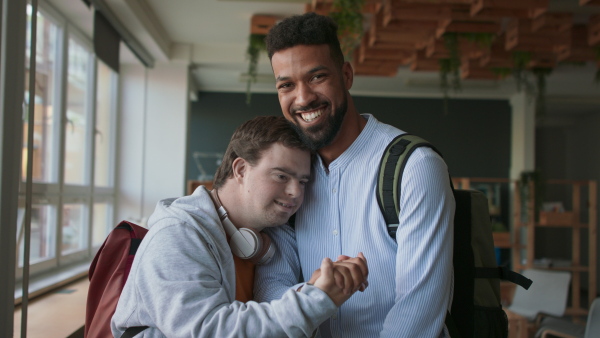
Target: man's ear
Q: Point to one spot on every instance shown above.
(238, 167)
(348, 75)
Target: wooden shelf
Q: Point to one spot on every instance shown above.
(566, 218)
(525, 223)
(573, 225)
(563, 268)
(502, 240)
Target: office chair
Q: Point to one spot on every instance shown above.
(558, 327)
(547, 295)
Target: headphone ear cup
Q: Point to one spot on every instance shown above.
(245, 243)
(265, 252)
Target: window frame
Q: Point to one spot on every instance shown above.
(55, 192)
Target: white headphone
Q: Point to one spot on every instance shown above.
(246, 243)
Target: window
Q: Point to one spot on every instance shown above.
(73, 149)
(46, 121)
(77, 133)
(104, 131)
(102, 217)
(42, 233)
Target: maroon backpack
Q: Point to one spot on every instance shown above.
(108, 272)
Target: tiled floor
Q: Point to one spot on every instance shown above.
(57, 314)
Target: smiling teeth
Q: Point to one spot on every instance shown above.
(285, 205)
(311, 116)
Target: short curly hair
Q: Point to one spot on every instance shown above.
(306, 29)
(253, 137)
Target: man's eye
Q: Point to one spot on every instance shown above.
(282, 177)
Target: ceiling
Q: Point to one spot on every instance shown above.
(212, 36)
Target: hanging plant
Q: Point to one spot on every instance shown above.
(347, 14)
(501, 73)
(540, 95)
(597, 77)
(539, 189)
(520, 62)
(452, 66)
(444, 84)
(482, 40)
(256, 44)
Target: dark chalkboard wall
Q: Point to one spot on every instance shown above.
(474, 135)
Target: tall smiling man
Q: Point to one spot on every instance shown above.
(410, 279)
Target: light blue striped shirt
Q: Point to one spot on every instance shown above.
(410, 279)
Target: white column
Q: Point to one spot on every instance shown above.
(153, 121)
(166, 134)
(522, 146)
(523, 134)
(130, 150)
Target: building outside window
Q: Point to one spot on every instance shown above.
(73, 147)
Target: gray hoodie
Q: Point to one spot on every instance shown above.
(182, 283)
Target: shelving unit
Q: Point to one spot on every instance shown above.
(526, 224)
(492, 188)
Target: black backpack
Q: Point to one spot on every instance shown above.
(476, 310)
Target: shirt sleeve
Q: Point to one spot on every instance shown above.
(424, 273)
(180, 290)
(283, 272)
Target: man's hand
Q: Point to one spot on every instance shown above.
(342, 278)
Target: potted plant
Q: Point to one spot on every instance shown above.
(256, 45)
(348, 16)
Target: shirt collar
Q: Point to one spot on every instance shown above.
(356, 148)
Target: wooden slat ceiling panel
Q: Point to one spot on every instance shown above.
(412, 33)
(509, 8)
(497, 56)
(589, 2)
(594, 30)
(577, 49)
(470, 69)
(559, 22)
(261, 24)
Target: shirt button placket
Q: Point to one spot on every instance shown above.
(335, 182)
(335, 325)
(335, 322)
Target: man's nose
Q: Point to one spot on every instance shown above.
(294, 189)
(305, 96)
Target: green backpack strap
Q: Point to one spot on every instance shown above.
(392, 165)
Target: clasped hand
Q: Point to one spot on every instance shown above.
(342, 278)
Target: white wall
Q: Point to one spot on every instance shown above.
(153, 115)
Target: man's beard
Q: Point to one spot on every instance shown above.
(321, 135)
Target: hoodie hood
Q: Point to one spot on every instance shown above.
(196, 210)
